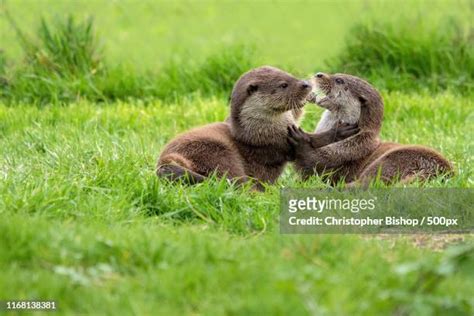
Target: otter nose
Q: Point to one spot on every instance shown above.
(305, 85)
(319, 75)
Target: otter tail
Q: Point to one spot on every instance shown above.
(176, 173)
(175, 167)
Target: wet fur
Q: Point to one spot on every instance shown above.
(363, 156)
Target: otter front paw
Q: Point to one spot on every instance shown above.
(298, 140)
(326, 102)
(311, 98)
(345, 130)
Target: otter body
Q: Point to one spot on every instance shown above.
(212, 148)
(252, 142)
(201, 151)
(363, 156)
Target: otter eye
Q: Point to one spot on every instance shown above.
(284, 85)
(339, 81)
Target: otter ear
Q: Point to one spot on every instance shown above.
(363, 100)
(252, 88)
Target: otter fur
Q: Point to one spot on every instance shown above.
(362, 157)
(252, 143)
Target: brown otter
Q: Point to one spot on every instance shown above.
(252, 142)
(362, 157)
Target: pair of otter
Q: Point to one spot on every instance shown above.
(260, 136)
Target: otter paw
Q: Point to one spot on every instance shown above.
(346, 130)
(327, 102)
(311, 97)
(296, 136)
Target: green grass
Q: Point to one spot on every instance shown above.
(88, 223)
(85, 110)
(66, 59)
(64, 63)
(149, 33)
(145, 267)
(409, 55)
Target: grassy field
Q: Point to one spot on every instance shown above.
(87, 223)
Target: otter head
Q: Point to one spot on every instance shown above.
(270, 90)
(353, 100)
(263, 100)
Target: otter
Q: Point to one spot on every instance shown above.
(362, 157)
(252, 142)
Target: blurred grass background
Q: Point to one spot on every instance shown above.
(299, 34)
(171, 49)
